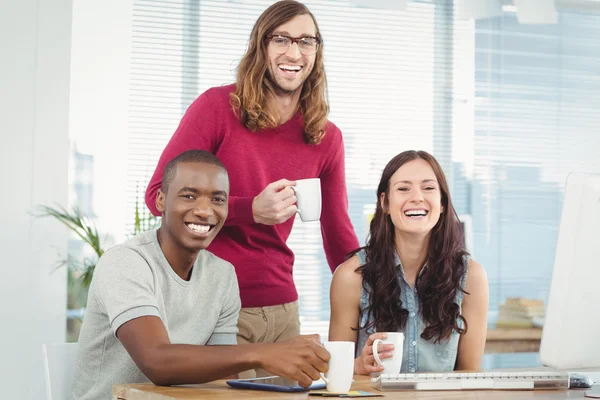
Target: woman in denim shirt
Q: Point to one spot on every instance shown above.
(413, 276)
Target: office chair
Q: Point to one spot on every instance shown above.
(59, 362)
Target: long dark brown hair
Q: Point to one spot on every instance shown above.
(437, 284)
(254, 100)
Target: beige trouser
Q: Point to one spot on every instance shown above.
(267, 325)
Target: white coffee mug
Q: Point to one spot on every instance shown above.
(390, 365)
(341, 366)
(308, 195)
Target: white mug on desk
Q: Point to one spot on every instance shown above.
(391, 365)
(341, 366)
(308, 195)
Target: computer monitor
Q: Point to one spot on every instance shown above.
(571, 333)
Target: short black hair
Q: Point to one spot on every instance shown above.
(190, 156)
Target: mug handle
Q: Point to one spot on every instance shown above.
(375, 353)
(295, 193)
(325, 379)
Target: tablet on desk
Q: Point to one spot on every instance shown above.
(274, 383)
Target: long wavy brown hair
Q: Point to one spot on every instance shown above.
(437, 283)
(254, 99)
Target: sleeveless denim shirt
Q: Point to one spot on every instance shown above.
(419, 355)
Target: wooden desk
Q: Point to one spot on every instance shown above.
(220, 390)
(513, 340)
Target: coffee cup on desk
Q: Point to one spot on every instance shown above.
(308, 195)
(391, 365)
(341, 366)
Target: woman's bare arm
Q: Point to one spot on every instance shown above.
(474, 310)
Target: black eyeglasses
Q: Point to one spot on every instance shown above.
(307, 45)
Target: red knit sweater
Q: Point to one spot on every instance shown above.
(258, 252)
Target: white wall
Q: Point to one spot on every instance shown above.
(35, 38)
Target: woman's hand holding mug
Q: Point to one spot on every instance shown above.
(365, 364)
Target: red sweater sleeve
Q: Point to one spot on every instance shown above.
(201, 128)
(338, 233)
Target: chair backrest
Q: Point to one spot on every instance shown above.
(59, 363)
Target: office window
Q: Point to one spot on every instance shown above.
(508, 109)
(536, 92)
(386, 77)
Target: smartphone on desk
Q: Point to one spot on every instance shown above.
(274, 383)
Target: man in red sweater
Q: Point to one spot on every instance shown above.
(270, 129)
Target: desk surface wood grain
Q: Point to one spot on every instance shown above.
(220, 390)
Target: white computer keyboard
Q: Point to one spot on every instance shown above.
(473, 380)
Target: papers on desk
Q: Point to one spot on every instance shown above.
(594, 392)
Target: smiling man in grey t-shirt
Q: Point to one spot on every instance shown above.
(159, 303)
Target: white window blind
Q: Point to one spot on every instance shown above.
(508, 110)
(536, 96)
(381, 68)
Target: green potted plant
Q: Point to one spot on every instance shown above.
(80, 269)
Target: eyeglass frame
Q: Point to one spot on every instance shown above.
(296, 40)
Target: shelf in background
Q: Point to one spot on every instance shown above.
(513, 340)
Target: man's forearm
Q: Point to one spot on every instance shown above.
(175, 364)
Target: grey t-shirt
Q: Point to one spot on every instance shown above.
(133, 280)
